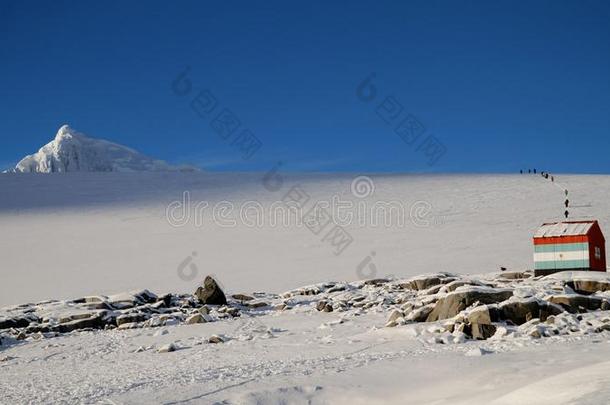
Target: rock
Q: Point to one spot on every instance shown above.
(514, 275)
(480, 323)
(376, 281)
(432, 290)
(96, 302)
(193, 319)
(602, 328)
(324, 306)
(130, 325)
(95, 299)
(424, 282)
(164, 300)
(392, 324)
(454, 302)
(169, 319)
(518, 311)
(480, 315)
(336, 288)
(216, 339)
(170, 347)
(234, 312)
(461, 327)
(17, 322)
(74, 316)
(395, 315)
(605, 305)
(452, 286)
(524, 292)
(131, 299)
(94, 321)
(535, 333)
(572, 302)
(501, 331)
(482, 331)
(420, 314)
(21, 336)
(36, 327)
(586, 287)
(395, 318)
(449, 326)
(242, 297)
(145, 296)
(131, 318)
(259, 304)
(210, 293)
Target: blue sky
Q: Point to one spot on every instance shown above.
(495, 86)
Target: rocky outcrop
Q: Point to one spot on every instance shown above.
(588, 286)
(95, 321)
(17, 322)
(577, 303)
(514, 275)
(455, 302)
(454, 285)
(424, 282)
(520, 311)
(456, 308)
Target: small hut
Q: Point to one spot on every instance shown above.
(569, 245)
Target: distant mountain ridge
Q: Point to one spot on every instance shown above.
(73, 151)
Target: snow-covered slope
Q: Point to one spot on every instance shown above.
(76, 234)
(72, 151)
(72, 234)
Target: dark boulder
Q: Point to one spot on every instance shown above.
(588, 287)
(18, 322)
(521, 311)
(210, 293)
(576, 303)
(94, 322)
(455, 302)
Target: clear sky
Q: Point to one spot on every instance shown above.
(496, 86)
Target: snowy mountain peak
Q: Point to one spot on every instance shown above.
(73, 151)
(67, 132)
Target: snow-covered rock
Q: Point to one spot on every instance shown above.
(73, 151)
(170, 347)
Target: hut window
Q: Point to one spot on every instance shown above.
(598, 253)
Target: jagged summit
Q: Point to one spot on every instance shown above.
(73, 151)
(66, 132)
